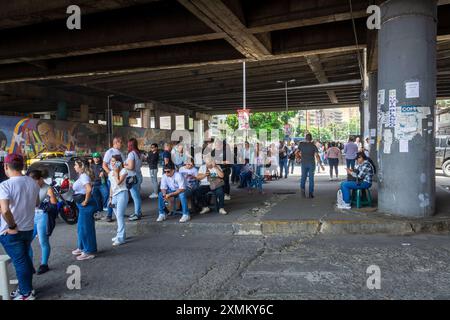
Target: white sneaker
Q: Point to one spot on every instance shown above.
(114, 239)
(344, 206)
(227, 197)
(185, 218)
(205, 210)
(153, 196)
(222, 211)
(161, 218)
(117, 243)
(331, 179)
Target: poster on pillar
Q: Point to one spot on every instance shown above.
(392, 108)
(244, 119)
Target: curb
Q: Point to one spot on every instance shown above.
(289, 227)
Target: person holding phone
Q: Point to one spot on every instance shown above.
(87, 240)
(118, 197)
(207, 174)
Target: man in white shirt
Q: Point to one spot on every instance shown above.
(19, 196)
(173, 185)
(115, 150)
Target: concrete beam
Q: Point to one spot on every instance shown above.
(146, 26)
(316, 67)
(221, 18)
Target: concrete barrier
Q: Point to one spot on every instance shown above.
(4, 278)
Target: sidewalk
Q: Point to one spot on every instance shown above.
(282, 211)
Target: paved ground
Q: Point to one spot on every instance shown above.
(173, 261)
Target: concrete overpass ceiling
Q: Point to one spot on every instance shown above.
(188, 53)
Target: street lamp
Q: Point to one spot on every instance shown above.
(109, 119)
(286, 89)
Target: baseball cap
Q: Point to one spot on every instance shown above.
(96, 155)
(14, 158)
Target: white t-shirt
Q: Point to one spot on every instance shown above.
(110, 153)
(137, 163)
(173, 183)
(22, 193)
(116, 188)
(78, 186)
(189, 175)
(205, 181)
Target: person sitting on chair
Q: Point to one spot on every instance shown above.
(363, 174)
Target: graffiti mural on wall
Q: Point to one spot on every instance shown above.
(32, 136)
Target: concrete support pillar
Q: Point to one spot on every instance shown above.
(173, 121)
(84, 113)
(145, 118)
(126, 118)
(157, 116)
(373, 121)
(407, 77)
(61, 113)
(186, 122)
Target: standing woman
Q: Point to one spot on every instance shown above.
(44, 219)
(133, 166)
(87, 240)
(118, 197)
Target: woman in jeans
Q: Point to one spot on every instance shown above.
(45, 213)
(333, 154)
(133, 166)
(87, 240)
(118, 197)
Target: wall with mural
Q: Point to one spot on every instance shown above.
(29, 136)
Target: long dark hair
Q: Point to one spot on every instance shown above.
(133, 146)
(362, 154)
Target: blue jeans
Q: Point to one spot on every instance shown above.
(245, 178)
(121, 202)
(40, 229)
(154, 180)
(18, 248)
(110, 210)
(308, 171)
(181, 196)
(284, 166)
(100, 193)
(350, 163)
(236, 172)
(136, 195)
(87, 239)
(347, 186)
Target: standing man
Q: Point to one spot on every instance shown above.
(283, 154)
(291, 155)
(19, 196)
(114, 151)
(152, 160)
(350, 151)
(167, 154)
(309, 154)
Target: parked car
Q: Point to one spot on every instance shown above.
(45, 155)
(443, 154)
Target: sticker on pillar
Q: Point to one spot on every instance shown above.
(387, 141)
(409, 121)
(392, 108)
(381, 97)
(373, 133)
(403, 146)
(412, 90)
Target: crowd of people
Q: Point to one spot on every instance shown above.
(104, 184)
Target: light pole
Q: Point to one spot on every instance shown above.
(286, 90)
(109, 120)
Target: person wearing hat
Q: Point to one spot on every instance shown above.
(100, 191)
(19, 196)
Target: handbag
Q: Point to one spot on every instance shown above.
(131, 181)
(79, 198)
(216, 183)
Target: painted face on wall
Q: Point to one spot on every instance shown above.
(47, 134)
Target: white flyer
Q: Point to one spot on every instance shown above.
(381, 97)
(403, 146)
(412, 90)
